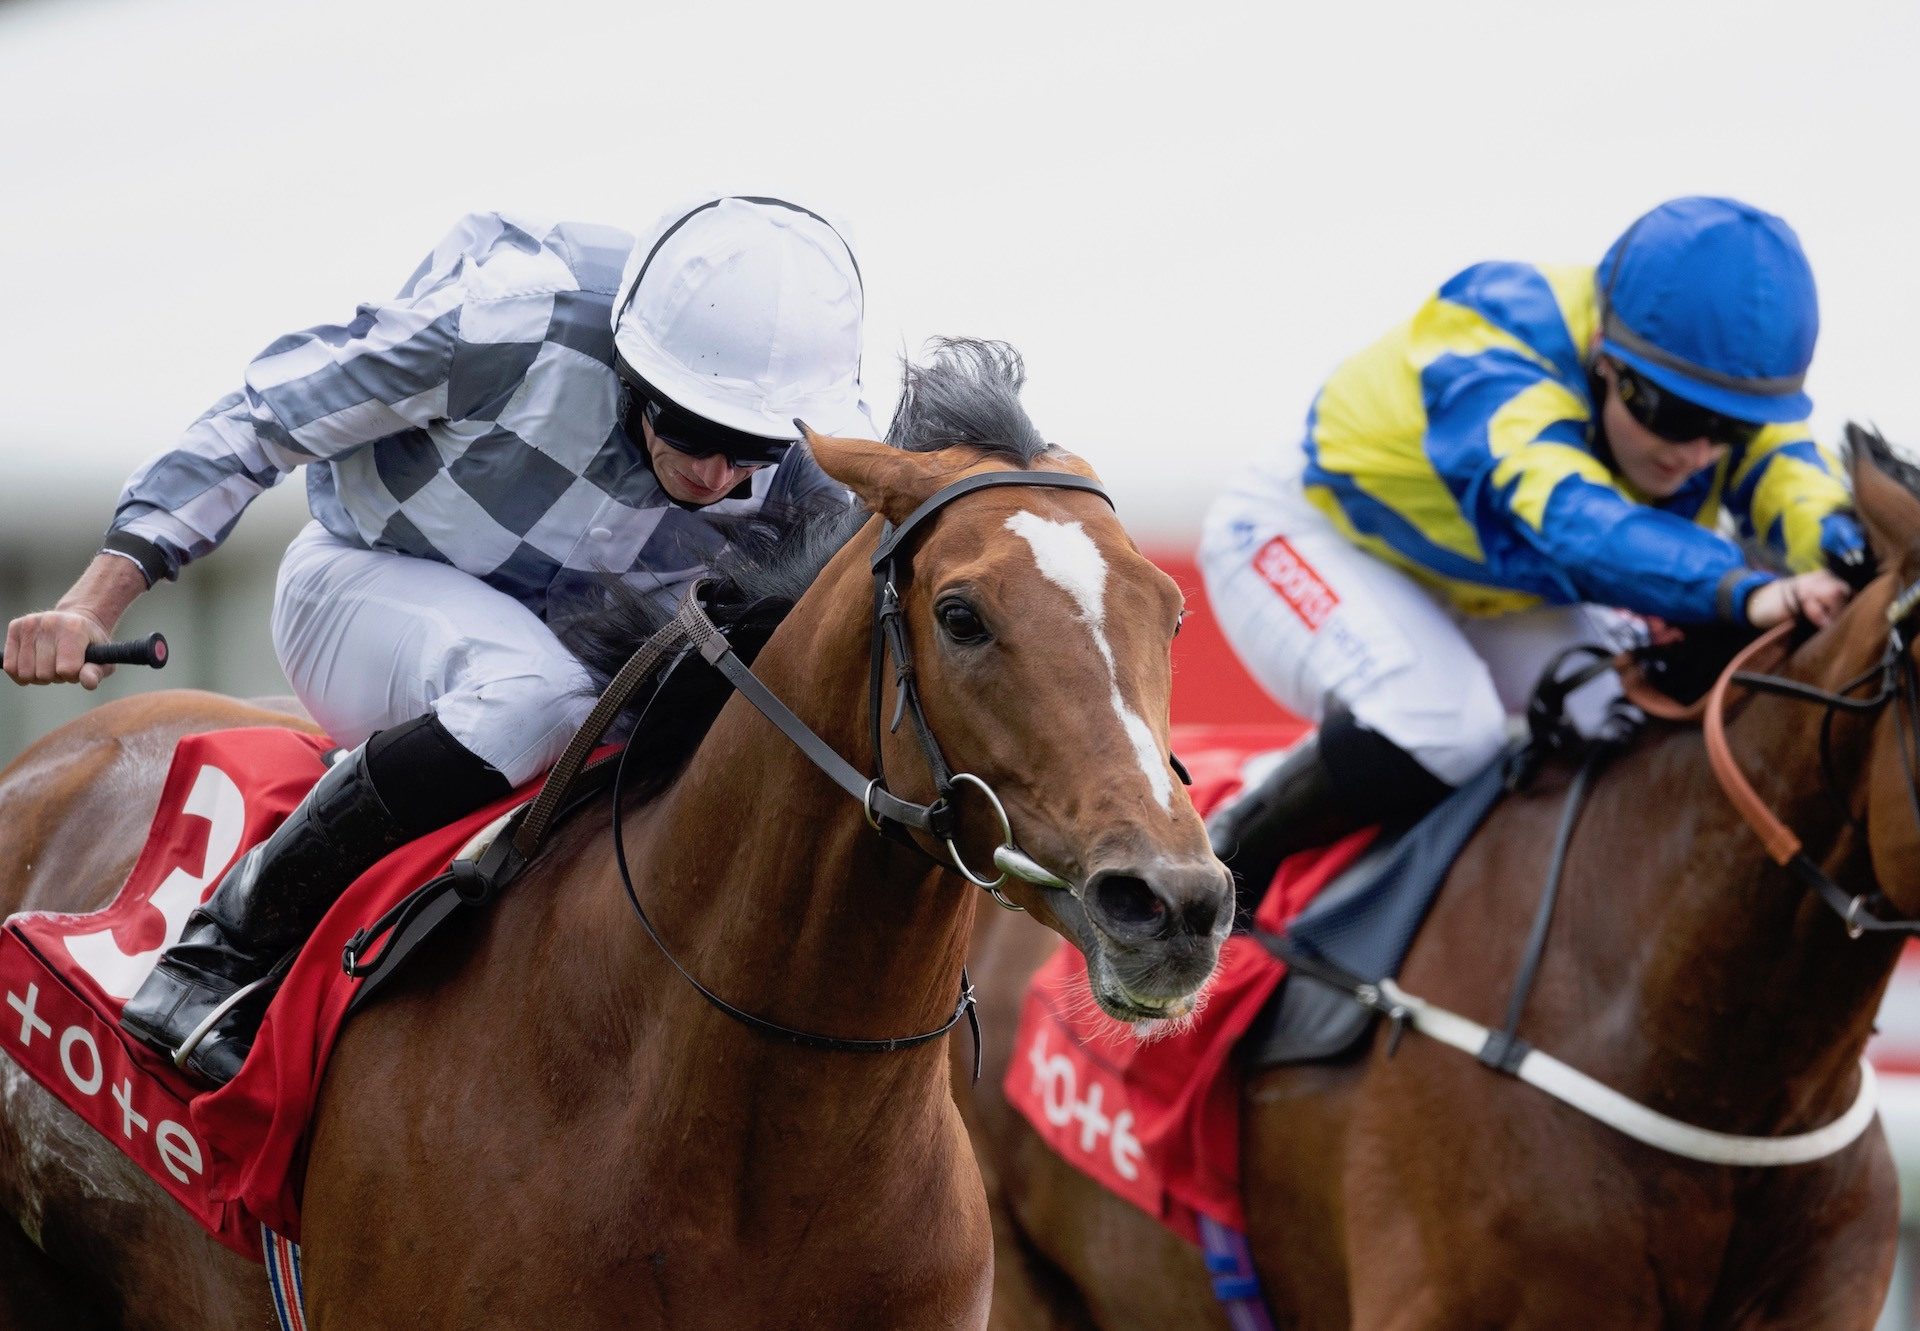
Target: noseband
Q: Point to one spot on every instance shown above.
(691, 630)
(1898, 682)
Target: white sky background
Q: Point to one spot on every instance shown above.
(1183, 215)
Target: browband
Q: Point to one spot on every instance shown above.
(891, 537)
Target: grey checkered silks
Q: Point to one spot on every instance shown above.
(471, 420)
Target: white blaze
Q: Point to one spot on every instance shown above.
(1070, 560)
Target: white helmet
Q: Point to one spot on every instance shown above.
(746, 311)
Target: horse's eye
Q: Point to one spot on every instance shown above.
(961, 622)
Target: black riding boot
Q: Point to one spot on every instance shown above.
(262, 910)
(1337, 780)
(271, 900)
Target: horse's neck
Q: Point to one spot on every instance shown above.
(1754, 990)
(767, 884)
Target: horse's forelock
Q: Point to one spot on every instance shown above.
(1887, 493)
(967, 392)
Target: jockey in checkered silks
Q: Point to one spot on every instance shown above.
(541, 405)
(1537, 450)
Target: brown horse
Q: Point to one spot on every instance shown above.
(1419, 1189)
(544, 1124)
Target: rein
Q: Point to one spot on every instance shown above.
(690, 630)
(1898, 684)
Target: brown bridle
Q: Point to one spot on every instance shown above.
(1897, 679)
(1710, 713)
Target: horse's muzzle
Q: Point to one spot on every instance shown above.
(1138, 907)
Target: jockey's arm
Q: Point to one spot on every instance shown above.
(310, 396)
(49, 647)
(1621, 553)
(1788, 491)
(1614, 550)
(1548, 488)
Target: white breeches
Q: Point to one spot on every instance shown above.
(369, 640)
(1313, 616)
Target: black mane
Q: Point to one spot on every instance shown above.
(1867, 440)
(967, 393)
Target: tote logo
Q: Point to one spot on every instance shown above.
(1281, 566)
(91, 1065)
(1056, 1082)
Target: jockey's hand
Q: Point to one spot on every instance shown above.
(1815, 596)
(50, 648)
(1660, 633)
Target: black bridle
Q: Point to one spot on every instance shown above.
(888, 813)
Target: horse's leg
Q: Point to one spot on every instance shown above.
(1405, 1194)
(1029, 1292)
(1815, 1246)
(36, 1294)
(1293, 1136)
(1129, 1273)
(1067, 1254)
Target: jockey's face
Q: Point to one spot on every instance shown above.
(1654, 466)
(693, 480)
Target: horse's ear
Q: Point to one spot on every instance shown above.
(888, 480)
(1884, 490)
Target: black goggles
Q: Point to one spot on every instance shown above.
(684, 432)
(1675, 419)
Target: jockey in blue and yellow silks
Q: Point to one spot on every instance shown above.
(1537, 448)
(1459, 447)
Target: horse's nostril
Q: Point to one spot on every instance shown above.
(1128, 901)
(1201, 914)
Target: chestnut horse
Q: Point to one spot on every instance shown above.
(546, 1126)
(1418, 1189)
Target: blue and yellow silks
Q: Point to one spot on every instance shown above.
(1460, 448)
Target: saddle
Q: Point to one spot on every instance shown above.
(1363, 922)
(231, 1156)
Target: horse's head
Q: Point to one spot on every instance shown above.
(1039, 638)
(1887, 494)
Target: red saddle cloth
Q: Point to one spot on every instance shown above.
(1157, 1121)
(234, 1157)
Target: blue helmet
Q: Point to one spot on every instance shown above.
(1713, 300)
